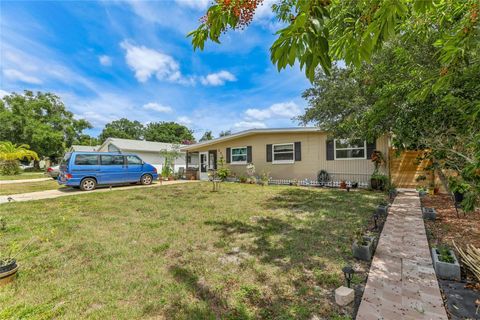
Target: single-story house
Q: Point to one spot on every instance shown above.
(290, 153)
(149, 151)
(83, 148)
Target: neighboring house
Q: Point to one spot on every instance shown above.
(83, 148)
(290, 153)
(149, 151)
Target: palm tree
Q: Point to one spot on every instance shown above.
(10, 153)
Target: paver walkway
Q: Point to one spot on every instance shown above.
(24, 180)
(48, 194)
(401, 282)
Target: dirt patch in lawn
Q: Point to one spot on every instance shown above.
(448, 227)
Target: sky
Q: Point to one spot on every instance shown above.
(112, 59)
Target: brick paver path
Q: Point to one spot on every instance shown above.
(401, 282)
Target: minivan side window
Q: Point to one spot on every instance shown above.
(86, 159)
(111, 160)
(134, 160)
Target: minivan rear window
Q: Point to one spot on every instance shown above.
(65, 160)
(112, 160)
(86, 159)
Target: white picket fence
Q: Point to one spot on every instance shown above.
(316, 183)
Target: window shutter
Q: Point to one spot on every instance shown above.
(228, 155)
(298, 151)
(269, 153)
(249, 154)
(370, 148)
(330, 150)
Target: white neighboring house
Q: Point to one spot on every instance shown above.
(149, 151)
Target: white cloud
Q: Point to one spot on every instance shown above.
(3, 93)
(158, 107)
(147, 62)
(16, 75)
(277, 110)
(184, 120)
(264, 11)
(217, 79)
(105, 60)
(243, 125)
(195, 4)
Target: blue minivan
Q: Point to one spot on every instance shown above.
(86, 170)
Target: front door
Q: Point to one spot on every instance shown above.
(203, 166)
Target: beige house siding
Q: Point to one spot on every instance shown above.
(314, 159)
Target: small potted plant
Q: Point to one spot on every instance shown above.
(382, 207)
(445, 263)
(8, 270)
(323, 177)
(343, 184)
(429, 213)
(362, 247)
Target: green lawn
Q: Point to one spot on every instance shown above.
(15, 188)
(24, 175)
(183, 252)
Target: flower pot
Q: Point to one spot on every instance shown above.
(436, 190)
(382, 209)
(446, 270)
(376, 184)
(343, 185)
(458, 197)
(429, 213)
(8, 272)
(363, 251)
(171, 178)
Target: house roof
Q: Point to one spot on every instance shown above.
(140, 145)
(76, 147)
(248, 133)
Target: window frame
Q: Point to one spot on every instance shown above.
(283, 161)
(357, 148)
(133, 164)
(85, 154)
(238, 162)
(113, 155)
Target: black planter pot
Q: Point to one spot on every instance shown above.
(376, 184)
(458, 197)
(12, 264)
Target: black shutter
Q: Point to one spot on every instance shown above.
(269, 153)
(370, 148)
(249, 154)
(330, 150)
(298, 151)
(228, 155)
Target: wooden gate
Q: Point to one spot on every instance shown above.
(406, 167)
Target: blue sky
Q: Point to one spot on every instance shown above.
(114, 59)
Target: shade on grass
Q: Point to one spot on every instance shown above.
(183, 252)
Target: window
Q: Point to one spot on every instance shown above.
(112, 160)
(239, 155)
(348, 149)
(283, 153)
(134, 160)
(86, 159)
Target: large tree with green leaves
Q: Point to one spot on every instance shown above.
(207, 136)
(170, 132)
(123, 128)
(39, 120)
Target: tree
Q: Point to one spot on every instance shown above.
(169, 132)
(207, 136)
(87, 140)
(124, 129)
(10, 154)
(225, 133)
(39, 120)
(316, 32)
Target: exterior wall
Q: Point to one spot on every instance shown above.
(314, 158)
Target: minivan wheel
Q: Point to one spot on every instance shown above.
(88, 184)
(146, 179)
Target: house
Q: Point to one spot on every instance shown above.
(290, 153)
(83, 148)
(149, 151)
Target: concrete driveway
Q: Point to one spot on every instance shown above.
(49, 194)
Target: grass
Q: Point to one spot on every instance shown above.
(15, 188)
(24, 175)
(183, 252)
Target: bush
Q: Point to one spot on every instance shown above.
(9, 167)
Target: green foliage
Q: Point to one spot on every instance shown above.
(224, 133)
(10, 154)
(39, 120)
(207, 136)
(168, 132)
(122, 128)
(445, 255)
(222, 172)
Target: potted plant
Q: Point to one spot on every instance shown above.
(264, 178)
(166, 171)
(377, 180)
(362, 247)
(445, 263)
(8, 270)
(429, 213)
(459, 188)
(382, 207)
(323, 177)
(343, 184)
(242, 179)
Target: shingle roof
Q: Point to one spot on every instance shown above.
(251, 132)
(141, 145)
